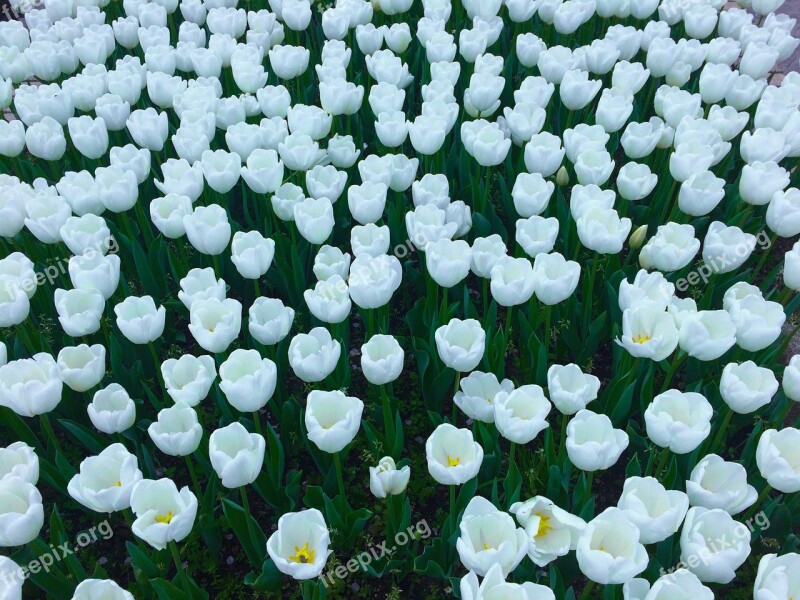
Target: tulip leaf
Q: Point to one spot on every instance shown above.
(249, 535)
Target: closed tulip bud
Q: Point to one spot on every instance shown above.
(656, 511)
(163, 514)
(603, 231)
(270, 321)
(571, 389)
(252, 254)
(21, 513)
(453, 455)
(188, 378)
(221, 169)
(247, 380)
(31, 386)
(529, 47)
(332, 419)
(299, 547)
(679, 421)
(19, 460)
(702, 526)
(215, 323)
(367, 201)
(392, 128)
(263, 172)
(105, 482)
(486, 252)
(593, 443)
(82, 367)
(314, 219)
(176, 431)
(609, 550)
(531, 194)
(521, 414)
(775, 577)
(236, 455)
(715, 483)
(148, 128)
(314, 355)
(460, 344)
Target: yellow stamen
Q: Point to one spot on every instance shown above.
(544, 525)
(164, 518)
(453, 462)
(303, 555)
(641, 338)
(118, 484)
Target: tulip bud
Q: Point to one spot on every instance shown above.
(562, 177)
(637, 238)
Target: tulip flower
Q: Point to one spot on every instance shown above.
(680, 582)
(592, 442)
(520, 415)
(656, 511)
(715, 483)
(494, 584)
(247, 380)
(188, 378)
(252, 254)
(21, 513)
(369, 239)
(79, 311)
(373, 280)
(139, 320)
(758, 322)
(489, 537)
(703, 526)
(208, 229)
(299, 547)
(13, 577)
(774, 459)
(609, 549)
(679, 421)
(332, 419)
(215, 323)
(100, 588)
(112, 410)
(386, 479)
(648, 332)
(82, 367)
(460, 344)
(453, 456)
(105, 482)
(382, 359)
(177, 431)
(163, 514)
(96, 272)
(486, 252)
(236, 455)
(776, 576)
(747, 387)
(570, 389)
(19, 460)
(31, 386)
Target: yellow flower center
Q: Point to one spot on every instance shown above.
(453, 462)
(164, 518)
(544, 525)
(118, 484)
(641, 338)
(303, 555)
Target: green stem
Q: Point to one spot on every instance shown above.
(257, 423)
(388, 420)
(673, 368)
(723, 430)
(338, 466)
(193, 476)
(455, 406)
(587, 590)
(49, 433)
(176, 557)
(761, 497)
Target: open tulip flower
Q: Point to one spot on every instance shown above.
(262, 262)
